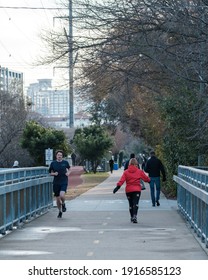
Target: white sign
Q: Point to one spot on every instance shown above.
(48, 156)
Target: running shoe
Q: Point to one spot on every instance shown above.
(59, 215)
(63, 207)
(157, 203)
(134, 220)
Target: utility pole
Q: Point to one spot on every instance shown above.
(71, 65)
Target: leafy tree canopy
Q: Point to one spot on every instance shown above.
(92, 143)
(37, 138)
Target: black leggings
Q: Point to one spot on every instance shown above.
(133, 199)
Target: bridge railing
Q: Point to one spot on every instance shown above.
(192, 199)
(25, 193)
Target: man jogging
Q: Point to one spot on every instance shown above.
(59, 168)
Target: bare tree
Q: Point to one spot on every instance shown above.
(130, 51)
(13, 116)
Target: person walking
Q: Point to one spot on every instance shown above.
(132, 177)
(144, 161)
(154, 168)
(59, 168)
(111, 164)
(127, 162)
(73, 157)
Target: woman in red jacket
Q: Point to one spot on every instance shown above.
(132, 177)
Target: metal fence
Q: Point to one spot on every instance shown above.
(25, 193)
(192, 199)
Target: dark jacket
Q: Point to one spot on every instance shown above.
(154, 166)
(126, 164)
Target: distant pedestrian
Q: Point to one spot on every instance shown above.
(15, 164)
(154, 168)
(73, 157)
(144, 161)
(59, 168)
(132, 176)
(111, 164)
(127, 162)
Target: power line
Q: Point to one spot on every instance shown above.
(33, 8)
(45, 12)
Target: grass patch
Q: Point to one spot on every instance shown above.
(90, 180)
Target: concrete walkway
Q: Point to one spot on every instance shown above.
(97, 226)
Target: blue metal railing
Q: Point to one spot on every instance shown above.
(25, 193)
(192, 199)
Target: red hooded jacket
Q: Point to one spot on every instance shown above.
(132, 177)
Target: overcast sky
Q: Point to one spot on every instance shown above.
(19, 36)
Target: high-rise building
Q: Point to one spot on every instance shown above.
(8, 76)
(50, 103)
(53, 104)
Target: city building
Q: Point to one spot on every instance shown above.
(53, 105)
(7, 77)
